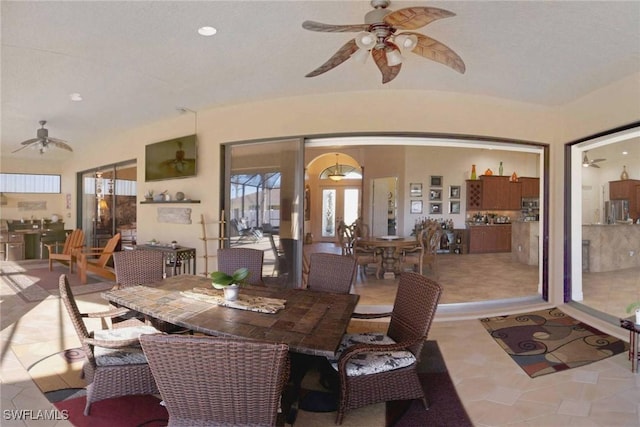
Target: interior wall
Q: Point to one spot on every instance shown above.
(411, 111)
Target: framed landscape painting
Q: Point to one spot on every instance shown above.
(174, 158)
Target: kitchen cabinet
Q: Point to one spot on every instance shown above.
(530, 187)
(493, 193)
(628, 189)
(490, 238)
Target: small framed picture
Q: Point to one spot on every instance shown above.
(436, 180)
(415, 189)
(454, 191)
(435, 208)
(416, 206)
(454, 207)
(435, 194)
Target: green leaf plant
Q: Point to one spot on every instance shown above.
(221, 280)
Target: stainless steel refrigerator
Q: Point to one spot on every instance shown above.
(616, 211)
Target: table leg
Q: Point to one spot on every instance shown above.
(633, 350)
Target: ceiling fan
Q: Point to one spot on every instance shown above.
(42, 141)
(378, 36)
(590, 163)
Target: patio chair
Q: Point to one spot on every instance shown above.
(246, 232)
(331, 273)
(218, 381)
(115, 364)
(375, 368)
(231, 259)
(141, 267)
(66, 255)
(95, 260)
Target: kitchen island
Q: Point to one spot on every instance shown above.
(525, 242)
(612, 246)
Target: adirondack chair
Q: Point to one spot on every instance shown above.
(95, 260)
(73, 243)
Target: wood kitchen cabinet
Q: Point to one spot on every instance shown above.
(490, 238)
(493, 193)
(530, 187)
(628, 189)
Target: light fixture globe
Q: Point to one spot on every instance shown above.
(366, 40)
(336, 174)
(406, 41)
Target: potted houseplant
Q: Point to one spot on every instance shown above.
(229, 283)
(634, 307)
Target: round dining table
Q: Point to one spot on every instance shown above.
(391, 247)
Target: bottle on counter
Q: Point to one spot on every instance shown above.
(500, 170)
(473, 172)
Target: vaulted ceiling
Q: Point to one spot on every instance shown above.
(134, 62)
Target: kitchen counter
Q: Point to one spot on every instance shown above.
(612, 246)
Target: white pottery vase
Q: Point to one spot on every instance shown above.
(231, 292)
(637, 316)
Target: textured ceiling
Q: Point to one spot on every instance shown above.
(134, 62)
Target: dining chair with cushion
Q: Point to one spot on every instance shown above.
(375, 367)
(218, 381)
(415, 256)
(95, 260)
(331, 272)
(231, 259)
(365, 256)
(67, 253)
(431, 246)
(115, 364)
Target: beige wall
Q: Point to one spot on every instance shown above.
(399, 111)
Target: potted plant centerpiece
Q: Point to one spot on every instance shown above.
(634, 307)
(229, 283)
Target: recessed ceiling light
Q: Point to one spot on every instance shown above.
(207, 31)
(75, 96)
(624, 153)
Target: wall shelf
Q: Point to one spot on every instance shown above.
(144, 202)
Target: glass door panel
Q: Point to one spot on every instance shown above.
(338, 204)
(263, 203)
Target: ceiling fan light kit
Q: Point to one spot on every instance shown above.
(378, 37)
(43, 141)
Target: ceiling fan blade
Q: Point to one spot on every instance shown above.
(434, 50)
(598, 160)
(593, 165)
(388, 72)
(22, 148)
(329, 28)
(59, 144)
(338, 58)
(30, 141)
(412, 18)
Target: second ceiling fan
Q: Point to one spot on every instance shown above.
(378, 37)
(590, 163)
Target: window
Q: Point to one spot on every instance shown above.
(28, 183)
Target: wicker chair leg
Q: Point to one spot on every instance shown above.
(87, 406)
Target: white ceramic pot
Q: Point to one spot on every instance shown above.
(231, 292)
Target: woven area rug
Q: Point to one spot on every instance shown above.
(35, 283)
(548, 341)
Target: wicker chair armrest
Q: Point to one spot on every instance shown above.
(370, 315)
(112, 343)
(108, 313)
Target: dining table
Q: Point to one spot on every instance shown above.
(391, 248)
(310, 322)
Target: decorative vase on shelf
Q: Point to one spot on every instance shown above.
(500, 169)
(473, 172)
(624, 175)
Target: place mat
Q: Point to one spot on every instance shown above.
(244, 302)
(547, 341)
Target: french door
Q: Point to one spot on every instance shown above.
(339, 203)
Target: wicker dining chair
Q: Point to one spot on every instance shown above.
(115, 364)
(384, 367)
(142, 267)
(331, 273)
(218, 381)
(231, 259)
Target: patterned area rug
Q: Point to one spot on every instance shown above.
(548, 341)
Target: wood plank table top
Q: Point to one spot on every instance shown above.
(311, 322)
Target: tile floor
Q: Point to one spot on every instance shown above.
(494, 390)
